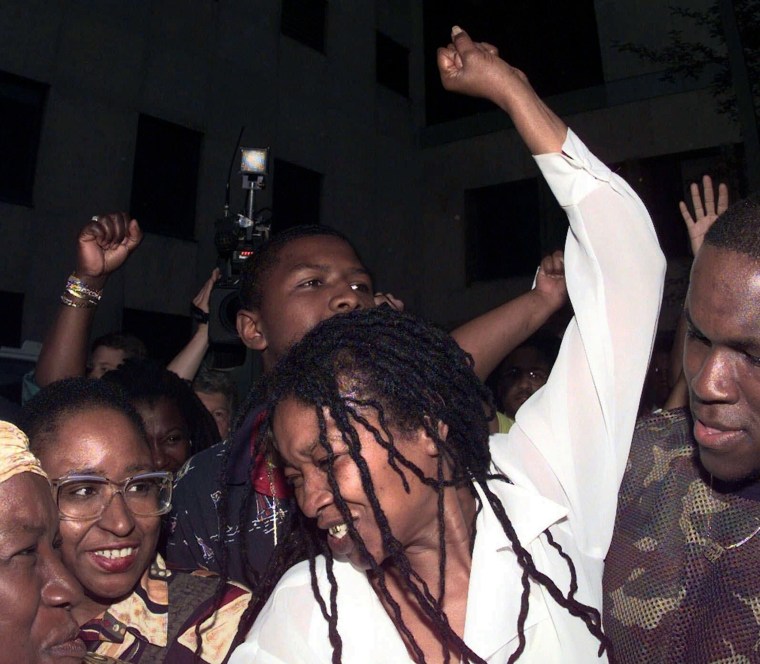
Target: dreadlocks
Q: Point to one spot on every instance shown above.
(414, 377)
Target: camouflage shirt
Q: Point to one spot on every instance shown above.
(682, 577)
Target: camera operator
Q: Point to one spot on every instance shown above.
(187, 362)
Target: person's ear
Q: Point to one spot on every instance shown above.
(250, 330)
(431, 447)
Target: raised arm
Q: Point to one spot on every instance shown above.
(103, 245)
(476, 69)
(489, 338)
(187, 362)
(706, 211)
(571, 438)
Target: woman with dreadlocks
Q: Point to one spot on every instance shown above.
(415, 540)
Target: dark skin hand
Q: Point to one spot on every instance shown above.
(103, 244)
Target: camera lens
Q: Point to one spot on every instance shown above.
(228, 309)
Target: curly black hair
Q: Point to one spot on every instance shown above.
(738, 228)
(147, 380)
(413, 376)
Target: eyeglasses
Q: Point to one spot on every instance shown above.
(81, 497)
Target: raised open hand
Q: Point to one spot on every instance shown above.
(705, 212)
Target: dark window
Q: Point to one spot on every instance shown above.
(503, 233)
(296, 198)
(304, 21)
(555, 43)
(392, 64)
(22, 104)
(165, 178)
(13, 366)
(164, 335)
(664, 180)
(12, 306)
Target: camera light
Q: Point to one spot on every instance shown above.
(254, 161)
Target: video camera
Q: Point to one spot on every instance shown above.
(236, 239)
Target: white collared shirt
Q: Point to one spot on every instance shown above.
(565, 456)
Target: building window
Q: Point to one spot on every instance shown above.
(503, 230)
(296, 197)
(22, 105)
(12, 306)
(165, 178)
(304, 21)
(664, 180)
(392, 63)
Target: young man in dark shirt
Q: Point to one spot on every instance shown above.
(297, 279)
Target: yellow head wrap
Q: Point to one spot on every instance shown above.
(15, 456)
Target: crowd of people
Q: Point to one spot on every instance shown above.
(377, 497)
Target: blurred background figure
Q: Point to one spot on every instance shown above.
(218, 393)
(521, 373)
(109, 352)
(176, 421)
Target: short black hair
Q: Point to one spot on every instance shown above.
(147, 380)
(738, 228)
(42, 414)
(257, 267)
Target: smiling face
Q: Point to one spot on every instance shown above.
(314, 278)
(36, 591)
(109, 554)
(167, 431)
(722, 362)
(412, 516)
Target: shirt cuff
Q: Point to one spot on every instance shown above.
(574, 173)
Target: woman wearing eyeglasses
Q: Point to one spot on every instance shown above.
(92, 444)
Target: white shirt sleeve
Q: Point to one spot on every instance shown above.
(284, 632)
(571, 439)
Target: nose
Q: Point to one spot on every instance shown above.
(715, 381)
(60, 588)
(524, 381)
(160, 458)
(345, 299)
(116, 517)
(314, 494)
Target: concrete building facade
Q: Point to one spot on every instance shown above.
(393, 185)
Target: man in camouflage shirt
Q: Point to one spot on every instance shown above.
(682, 581)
